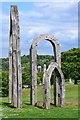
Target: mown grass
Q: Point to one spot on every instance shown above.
(70, 110)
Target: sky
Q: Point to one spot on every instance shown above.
(58, 18)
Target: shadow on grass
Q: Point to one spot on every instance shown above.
(52, 104)
(27, 104)
(41, 107)
(8, 105)
(38, 106)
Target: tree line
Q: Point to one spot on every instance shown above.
(70, 65)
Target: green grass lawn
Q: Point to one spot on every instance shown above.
(70, 110)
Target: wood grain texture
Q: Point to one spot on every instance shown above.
(58, 88)
(15, 73)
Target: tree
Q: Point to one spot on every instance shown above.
(5, 83)
(70, 64)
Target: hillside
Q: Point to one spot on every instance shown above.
(42, 59)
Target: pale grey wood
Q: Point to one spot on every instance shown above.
(56, 81)
(44, 86)
(59, 86)
(15, 73)
(44, 90)
(10, 68)
(11, 58)
(55, 90)
(19, 71)
(19, 81)
(59, 95)
(14, 36)
(33, 76)
(33, 63)
(46, 80)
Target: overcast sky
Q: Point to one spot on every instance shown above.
(57, 18)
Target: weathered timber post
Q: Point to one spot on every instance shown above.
(15, 73)
(44, 87)
(33, 70)
(60, 85)
(57, 95)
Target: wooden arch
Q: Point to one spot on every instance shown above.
(33, 63)
(60, 83)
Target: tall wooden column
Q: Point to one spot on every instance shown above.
(33, 69)
(15, 73)
(57, 95)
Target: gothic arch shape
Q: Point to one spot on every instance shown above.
(46, 87)
(33, 62)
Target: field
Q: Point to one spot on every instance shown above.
(70, 110)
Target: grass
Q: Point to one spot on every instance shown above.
(70, 110)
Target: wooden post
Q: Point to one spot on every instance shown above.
(10, 67)
(55, 78)
(19, 71)
(33, 69)
(44, 83)
(15, 73)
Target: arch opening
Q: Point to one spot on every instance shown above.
(43, 60)
(58, 86)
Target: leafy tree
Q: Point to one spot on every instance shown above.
(5, 83)
(71, 64)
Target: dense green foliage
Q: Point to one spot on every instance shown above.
(70, 66)
(5, 82)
